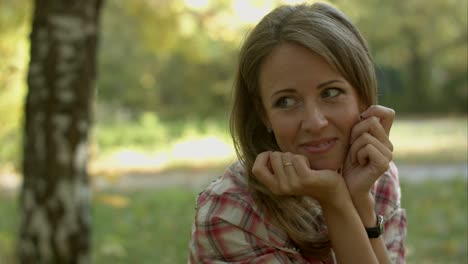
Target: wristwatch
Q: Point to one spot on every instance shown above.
(376, 231)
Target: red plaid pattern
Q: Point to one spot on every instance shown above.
(230, 228)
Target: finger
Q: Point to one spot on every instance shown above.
(378, 163)
(293, 182)
(261, 161)
(308, 176)
(278, 170)
(288, 165)
(316, 183)
(364, 140)
(373, 126)
(305, 174)
(319, 184)
(385, 114)
(301, 168)
(263, 174)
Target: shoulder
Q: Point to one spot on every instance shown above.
(228, 199)
(231, 185)
(227, 224)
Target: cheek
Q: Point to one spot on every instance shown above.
(350, 120)
(285, 130)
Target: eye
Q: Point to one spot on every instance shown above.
(285, 102)
(331, 92)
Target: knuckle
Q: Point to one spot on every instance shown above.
(366, 138)
(296, 185)
(385, 166)
(366, 135)
(283, 189)
(288, 155)
(390, 146)
(374, 121)
(256, 171)
(310, 179)
(297, 158)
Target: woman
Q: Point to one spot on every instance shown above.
(314, 182)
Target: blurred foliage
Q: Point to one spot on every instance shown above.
(154, 225)
(179, 61)
(165, 61)
(421, 51)
(14, 27)
(176, 59)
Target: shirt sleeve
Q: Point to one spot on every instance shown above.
(227, 230)
(387, 195)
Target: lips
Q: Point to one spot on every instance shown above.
(319, 146)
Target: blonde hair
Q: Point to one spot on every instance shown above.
(328, 32)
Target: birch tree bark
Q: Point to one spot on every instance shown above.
(55, 217)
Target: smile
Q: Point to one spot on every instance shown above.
(320, 146)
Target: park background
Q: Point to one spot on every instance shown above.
(165, 70)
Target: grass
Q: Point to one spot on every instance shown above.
(437, 221)
(154, 226)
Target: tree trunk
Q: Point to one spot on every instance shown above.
(55, 222)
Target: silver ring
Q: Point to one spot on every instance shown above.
(288, 164)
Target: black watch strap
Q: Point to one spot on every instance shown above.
(376, 231)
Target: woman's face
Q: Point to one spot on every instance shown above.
(310, 107)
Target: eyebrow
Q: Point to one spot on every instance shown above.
(319, 86)
(328, 82)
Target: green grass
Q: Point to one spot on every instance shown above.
(154, 226)
(437, 221)
(8, 224)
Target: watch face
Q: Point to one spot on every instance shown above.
(381, 224)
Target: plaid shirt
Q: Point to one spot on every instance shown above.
(230, 228)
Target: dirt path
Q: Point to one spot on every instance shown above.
(420, 172)
(196, 180)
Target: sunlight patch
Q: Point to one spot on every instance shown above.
(206, 148)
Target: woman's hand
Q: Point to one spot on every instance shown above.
(290, 174)
(371, 150)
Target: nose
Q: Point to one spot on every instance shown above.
(314, 118)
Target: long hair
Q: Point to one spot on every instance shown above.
(328, 32)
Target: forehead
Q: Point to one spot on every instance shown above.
(293, 65)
